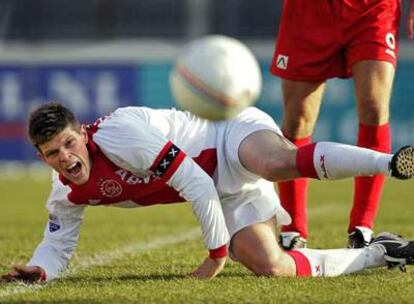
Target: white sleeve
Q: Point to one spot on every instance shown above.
(197, 187)
(61, 233)
(127, 139)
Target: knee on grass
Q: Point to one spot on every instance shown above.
(269, 270)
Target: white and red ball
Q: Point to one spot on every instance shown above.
(215, 77)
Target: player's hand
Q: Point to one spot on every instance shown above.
(28, 274)
(209, 268)
(410, 21)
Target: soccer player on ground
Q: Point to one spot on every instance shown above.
(319, 40)
(137, 156)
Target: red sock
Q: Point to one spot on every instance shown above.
(293, 196)
(368, 190)
(303, 267)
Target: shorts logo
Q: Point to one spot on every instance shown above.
(53, 226)
(390, 41)
(110, 188)
(282, 61)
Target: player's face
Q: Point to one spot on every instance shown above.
(67, 153)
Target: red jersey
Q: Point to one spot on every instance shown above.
(109, 183)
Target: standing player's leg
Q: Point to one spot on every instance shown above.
(302, 101)
(303, 68)
(373, 85)
(371, 56)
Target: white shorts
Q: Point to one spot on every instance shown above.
(246, 198)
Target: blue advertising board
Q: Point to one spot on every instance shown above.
(90, 91)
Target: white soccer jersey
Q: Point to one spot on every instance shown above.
(143, 157)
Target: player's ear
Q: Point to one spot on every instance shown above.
(40, 156)
(84, 134)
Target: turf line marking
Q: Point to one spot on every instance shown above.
(107, 257)
(132, 249)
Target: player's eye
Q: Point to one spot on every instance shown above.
(51, 154)
(70, 143)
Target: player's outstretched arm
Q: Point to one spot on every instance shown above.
(28, 274)
(209, 268)
(410, 21)
(198, 188)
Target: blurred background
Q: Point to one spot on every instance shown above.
(97, 55)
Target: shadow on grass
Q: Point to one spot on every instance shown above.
(223, 275)
(145, 277)
(124, 278)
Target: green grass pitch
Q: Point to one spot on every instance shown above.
(143, 255)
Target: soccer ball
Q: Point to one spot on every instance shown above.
(215, 77)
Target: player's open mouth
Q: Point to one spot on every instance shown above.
(74, 169)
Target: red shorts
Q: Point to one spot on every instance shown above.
(321, 39)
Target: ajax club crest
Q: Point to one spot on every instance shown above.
(110, 188)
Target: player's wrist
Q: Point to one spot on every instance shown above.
(219, 252)
(42, 274)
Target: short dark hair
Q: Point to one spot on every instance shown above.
(48, 120)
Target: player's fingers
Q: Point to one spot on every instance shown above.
(198, 275)
(13, 273)
(23, 269)
(204, 273)
(10, 276)
(28, 273)
(5, 278)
